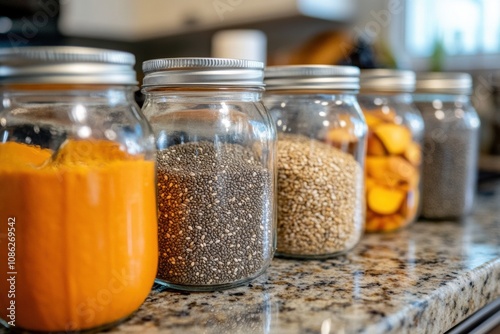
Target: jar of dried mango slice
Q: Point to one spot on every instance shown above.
(393, 149)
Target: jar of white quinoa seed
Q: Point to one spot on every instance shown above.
(215, 171)
(321, 148)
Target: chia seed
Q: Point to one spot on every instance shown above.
(449, 167)
(215, 214)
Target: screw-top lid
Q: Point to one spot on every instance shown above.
(313, 77)
(66, 65)
(175, 72)
(387, 81)
(444, 83)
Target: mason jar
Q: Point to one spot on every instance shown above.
(393, 155)
(451, 144)
(215, 168)
(321, 147)
(77, 194)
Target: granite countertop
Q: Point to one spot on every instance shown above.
(425, 279)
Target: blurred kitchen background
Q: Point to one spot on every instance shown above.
(422, 35)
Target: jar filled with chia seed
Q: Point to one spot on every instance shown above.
(215, 169)
(321, 147)
(393, 155)
(451, 144)
(77, 190)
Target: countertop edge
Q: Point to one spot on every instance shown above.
(450, 304)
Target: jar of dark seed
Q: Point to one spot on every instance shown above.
(215, 169)
(393, 161)
(450, 144)
(321, 145)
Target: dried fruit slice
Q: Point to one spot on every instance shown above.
(383, 114)
(372, 120)
(385, 201)
(395, 138)
(377, 167)
(393, 222)
(374, 224)
(402, 170)
(375, 146)
(370, 183)
(413, 154)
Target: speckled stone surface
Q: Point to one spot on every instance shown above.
(424, 279)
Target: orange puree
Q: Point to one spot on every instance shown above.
(85, 234)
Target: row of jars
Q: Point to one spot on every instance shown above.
(101, 198)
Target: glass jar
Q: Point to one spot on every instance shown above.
(215, 170)
(321, 147)
(393, 155)
(77, 195)
(451, 144)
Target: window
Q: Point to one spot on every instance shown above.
(461, 27)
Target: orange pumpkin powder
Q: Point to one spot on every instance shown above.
(86, 234)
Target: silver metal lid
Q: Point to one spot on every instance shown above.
(175, 72)
(66, 65)
(444, 83)
(315, 77)
(387, 81)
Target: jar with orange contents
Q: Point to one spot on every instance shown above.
(77, 194)
(393, 161)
